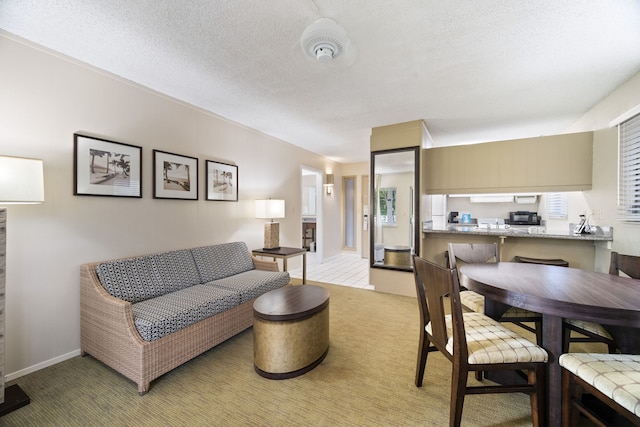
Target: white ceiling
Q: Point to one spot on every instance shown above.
(472, 70)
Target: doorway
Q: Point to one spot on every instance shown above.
(349, 212)
(311, 210)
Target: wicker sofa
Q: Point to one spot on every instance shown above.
(145, 315)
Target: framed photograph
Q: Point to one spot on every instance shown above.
(174, 176)
(222, 181)
(106, 168)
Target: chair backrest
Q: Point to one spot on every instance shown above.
(433, 285)
(472, 253)
(628, 264)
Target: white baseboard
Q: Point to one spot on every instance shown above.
(15, 375)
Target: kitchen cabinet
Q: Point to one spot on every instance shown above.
(543, 164)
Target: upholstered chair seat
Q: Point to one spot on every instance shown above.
(490, 342)
(474, 301)
(594, 328)
(612, 378)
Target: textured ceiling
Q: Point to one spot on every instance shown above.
(472, 70)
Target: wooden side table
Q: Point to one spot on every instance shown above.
(290, 331)
(285, 253)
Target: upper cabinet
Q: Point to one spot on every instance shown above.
(543, 164)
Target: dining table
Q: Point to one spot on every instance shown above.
(558, 293)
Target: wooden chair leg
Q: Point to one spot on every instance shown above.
(458, 392)
(538, 399)
(423, 351)
(566, 399)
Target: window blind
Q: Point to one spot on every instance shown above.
(629, 170)
(556, 205)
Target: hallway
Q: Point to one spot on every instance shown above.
(344, 269)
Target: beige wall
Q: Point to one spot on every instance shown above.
(45, 99)
(603, 195)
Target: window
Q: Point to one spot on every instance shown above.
(387, 198)
(557, 205)
(629, 170)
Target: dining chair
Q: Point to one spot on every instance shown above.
(472, 342)
(595, 332)
(473, 253)
(614, 379)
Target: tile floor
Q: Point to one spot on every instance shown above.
(344, 269)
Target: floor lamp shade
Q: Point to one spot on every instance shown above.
(270, 209)
(21, 182)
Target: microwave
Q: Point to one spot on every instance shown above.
(524, 218)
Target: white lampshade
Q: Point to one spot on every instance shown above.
(269, 209)
(21, 180)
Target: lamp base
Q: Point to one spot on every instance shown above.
(271, 235)
(14, 398)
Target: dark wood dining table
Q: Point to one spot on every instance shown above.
(557, 293)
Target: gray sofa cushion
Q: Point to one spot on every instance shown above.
(252, 284)
(176, 270)
(149, 276)
(158, 317)
(224, 260)
(132, 279)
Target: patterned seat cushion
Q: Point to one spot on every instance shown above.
(252, 284)
(490, 342)
(219, 261)
(594, 328)
(615, 375)
(158, 317)
(474, 301)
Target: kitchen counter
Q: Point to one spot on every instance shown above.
(537, 232)
(579, 250)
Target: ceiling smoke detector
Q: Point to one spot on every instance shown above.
(324, 40)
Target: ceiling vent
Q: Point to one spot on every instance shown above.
(324, 40)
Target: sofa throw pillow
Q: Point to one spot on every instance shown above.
(220, 261)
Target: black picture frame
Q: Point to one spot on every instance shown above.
(222, 181)
(175, 176)
(106, 168)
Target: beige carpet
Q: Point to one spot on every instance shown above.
(366, 380)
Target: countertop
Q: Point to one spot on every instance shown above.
(603, 234)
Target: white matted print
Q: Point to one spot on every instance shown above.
(222, 181)
(174, 176)
(106, 168)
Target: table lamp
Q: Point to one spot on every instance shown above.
(21, 182)
(270, 209)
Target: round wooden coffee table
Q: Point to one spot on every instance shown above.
(290, 331)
